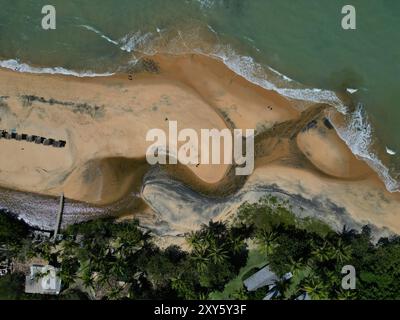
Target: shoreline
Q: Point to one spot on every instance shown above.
(104, 145)
(342, 120)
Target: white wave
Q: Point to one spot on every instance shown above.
(131, 41)
(212, 29)
(206, 4)
(351, 91)
(358, 135)
(23, 67)
(281, 75)
(249, 39)
(255, 73)
(99, 33)
(127, 43)
(390, 151)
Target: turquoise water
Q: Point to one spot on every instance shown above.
(301, 39)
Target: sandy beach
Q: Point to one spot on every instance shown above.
(104, 122)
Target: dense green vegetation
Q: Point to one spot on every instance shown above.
(103, 259)
(11, 287)
(108, 260)
(315, 254)
(13, 234)
(12, 231)
(120, 252)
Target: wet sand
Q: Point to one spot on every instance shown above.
(105, 121)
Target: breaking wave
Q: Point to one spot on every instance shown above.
(254, 72)
(131, 42)
(15, 65)
(358, 135)
(127, 43)
(206, 4)
(358, 131)
(99, 33)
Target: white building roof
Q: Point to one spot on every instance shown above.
(43, 280)
(304, 296)
(263, 277)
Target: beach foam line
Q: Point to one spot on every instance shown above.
(358, 135)
(99, 33)
(127, 43)
(206, 4)
(245, 66)
(15, 65)
(280, 74)
(254, 72)
(131, 42)
(359, 142)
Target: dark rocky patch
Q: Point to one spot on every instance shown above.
(328, 124)
(144, 65)
(83, 108)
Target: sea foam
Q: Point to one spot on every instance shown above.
(131, 42)
(358, 134)
(254, 72)
(390, 151)
(127, 43)
(99, 33)
(15, 65)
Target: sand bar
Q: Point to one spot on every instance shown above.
(105, 121)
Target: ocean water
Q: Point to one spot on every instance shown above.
(296, 47)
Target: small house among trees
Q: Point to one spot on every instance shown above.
(262, 278)
(43, 280)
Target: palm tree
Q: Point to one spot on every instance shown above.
(267, 241)
(201, 263)
(183, 290)
(299, 274)
(118, 268)
(236, 243)
(323, 253)
(218, 255)
(203, 296)
(87, 279)
(342, 252)
(295, 266)
(316, 288)
(199, 242)
(193, 239)
(347, 295)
